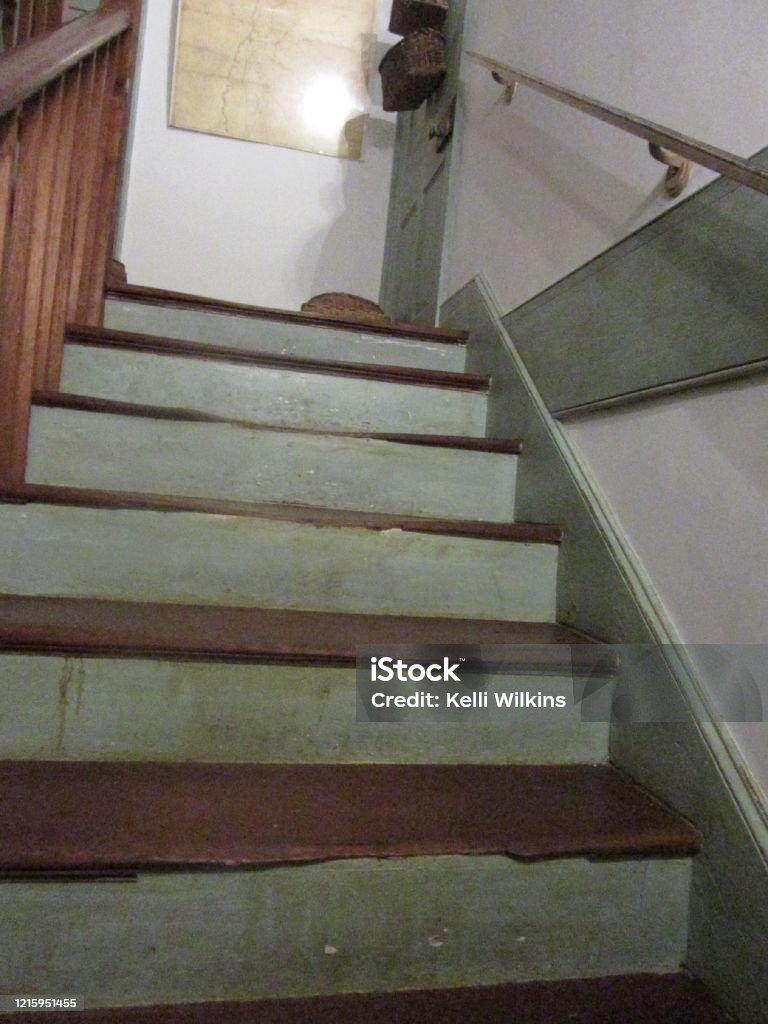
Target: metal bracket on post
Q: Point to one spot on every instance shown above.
(679, 169)
(510, 86)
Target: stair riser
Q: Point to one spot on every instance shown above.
(97, 709)
(192, 558)
(343, 926)
(74, 448)
(274, 337)
(274, 396)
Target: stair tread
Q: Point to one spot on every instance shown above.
(158, 296)
(123, 816)
(107, 338)
(531, 533)
(211, 632)
(88, 403)
(633, 999)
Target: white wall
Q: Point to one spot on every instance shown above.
(687, 477)
(690, 484)
(541, 189)
(243, 221)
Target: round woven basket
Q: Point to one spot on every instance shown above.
(342, 305)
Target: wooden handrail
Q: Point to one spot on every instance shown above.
(28, 68)
(702, 153)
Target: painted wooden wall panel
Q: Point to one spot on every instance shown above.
(600, 591)
(684, 297)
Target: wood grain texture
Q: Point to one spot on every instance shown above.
(88, 171)
(9, 125)
(528, 533)
(50, 329)
(56, 213)
(161, 297)
(27, 69)
(143, 816)
(624, 999)
(42, 225)
(18, 336)
(115, 141)
(81, 94)
(91, 627)
(105, 338)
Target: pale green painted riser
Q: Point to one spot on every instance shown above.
(195, 558)
(278, 338)
(131, 709)
(343, 926)
(156, 456)
(274, 396)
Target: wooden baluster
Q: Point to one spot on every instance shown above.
(86, 88)
(92, 308)
(47, 15)
(7, 23)
(8, 137)
(38, 240)
(24, 21)
(102, 205)
(17, 348)
(51, 315)
(87, 171)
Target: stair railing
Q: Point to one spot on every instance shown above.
(25, 19)
(64, 106)
(666, 145)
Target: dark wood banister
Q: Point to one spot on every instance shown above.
(28, 68)
(702, 153)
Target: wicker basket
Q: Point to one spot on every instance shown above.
(413, 69)
(409, 15)
(342, 305)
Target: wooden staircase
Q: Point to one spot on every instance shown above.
(221, 503)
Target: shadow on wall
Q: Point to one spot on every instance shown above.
(347, 255)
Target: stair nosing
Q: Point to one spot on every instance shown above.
(160, 297)
(639, 997)
(449, 380)
(267, 813)
(88, 403)
(310, 515)
(160, 630)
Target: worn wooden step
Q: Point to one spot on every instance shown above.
(283, 390)
(209, 321)
(61, 542)
(75, 446)
(86, 403)
(315, 515)
(623, 999)
(97, 816)
(275, 636)
(86, 679)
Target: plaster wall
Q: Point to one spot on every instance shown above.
(540, 189)
(687, 477)
(243, 221)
